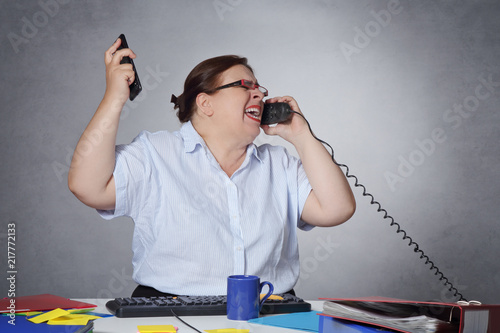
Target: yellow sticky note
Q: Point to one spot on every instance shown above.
(72, 319)
(48, 316)
(156, 329)
(82, 315)
(68, 320)
(271, 297)
(228, 330)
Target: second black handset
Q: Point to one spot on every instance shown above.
(135, 87)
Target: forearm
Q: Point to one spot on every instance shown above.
(331, 201)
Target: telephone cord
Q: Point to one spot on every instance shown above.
(416, 247)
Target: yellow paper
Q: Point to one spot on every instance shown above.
(228, 330)
(28, 314)
(80, 315)
(80, 310)
(72, 319)
(271, 297)
(48, 316)
(156, 329)
(66, 320)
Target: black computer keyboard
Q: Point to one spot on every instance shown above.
(196, 306)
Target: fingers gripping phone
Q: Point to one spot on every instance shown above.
(275, 113)
(135, 87)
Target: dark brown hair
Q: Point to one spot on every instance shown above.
(205, 78)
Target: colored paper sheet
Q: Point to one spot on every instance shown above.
(333, 325)
(28, 314)
(80, 310)
(271, 297)
(42, 302)
(32, 313)
(68, 321)
(23, 325)
(157, 329)
(305, 321)
(92, 313)
(72, 319)
(48, 316)
(228, 330)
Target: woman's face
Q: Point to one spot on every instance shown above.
(238, 109)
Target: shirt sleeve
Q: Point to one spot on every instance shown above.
(132, 169)
(303, 190)
(298, 183)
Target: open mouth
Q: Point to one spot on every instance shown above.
(253, 112)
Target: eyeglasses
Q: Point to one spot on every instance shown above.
(246, 84)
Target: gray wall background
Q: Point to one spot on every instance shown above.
(407, 93)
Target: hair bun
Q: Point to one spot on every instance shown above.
(174, 100)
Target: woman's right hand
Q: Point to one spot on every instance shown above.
(118, 76)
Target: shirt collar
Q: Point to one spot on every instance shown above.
(252, 149)
(192, 139)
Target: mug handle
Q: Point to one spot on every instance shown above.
(269, 293)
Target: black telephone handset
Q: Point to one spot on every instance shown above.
(135, 87)
(274, 113)
(279, 112)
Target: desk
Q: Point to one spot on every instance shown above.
(129, 325)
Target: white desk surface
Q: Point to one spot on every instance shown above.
(129, 325)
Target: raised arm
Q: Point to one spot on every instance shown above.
(90, 175)
(331, 201)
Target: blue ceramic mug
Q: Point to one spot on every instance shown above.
(243, 296)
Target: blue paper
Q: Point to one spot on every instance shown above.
(22, 325)
(334, 325)
(304, 321)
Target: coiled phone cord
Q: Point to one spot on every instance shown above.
(416, 247)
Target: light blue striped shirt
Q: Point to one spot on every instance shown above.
(194, 226)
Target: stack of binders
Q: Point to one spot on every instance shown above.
(397, 315)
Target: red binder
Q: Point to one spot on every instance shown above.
(42, 302)
(466, 318)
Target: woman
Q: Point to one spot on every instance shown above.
(207, 202)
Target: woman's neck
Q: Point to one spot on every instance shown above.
(228, 152)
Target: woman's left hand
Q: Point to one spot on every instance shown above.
(291, 129)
